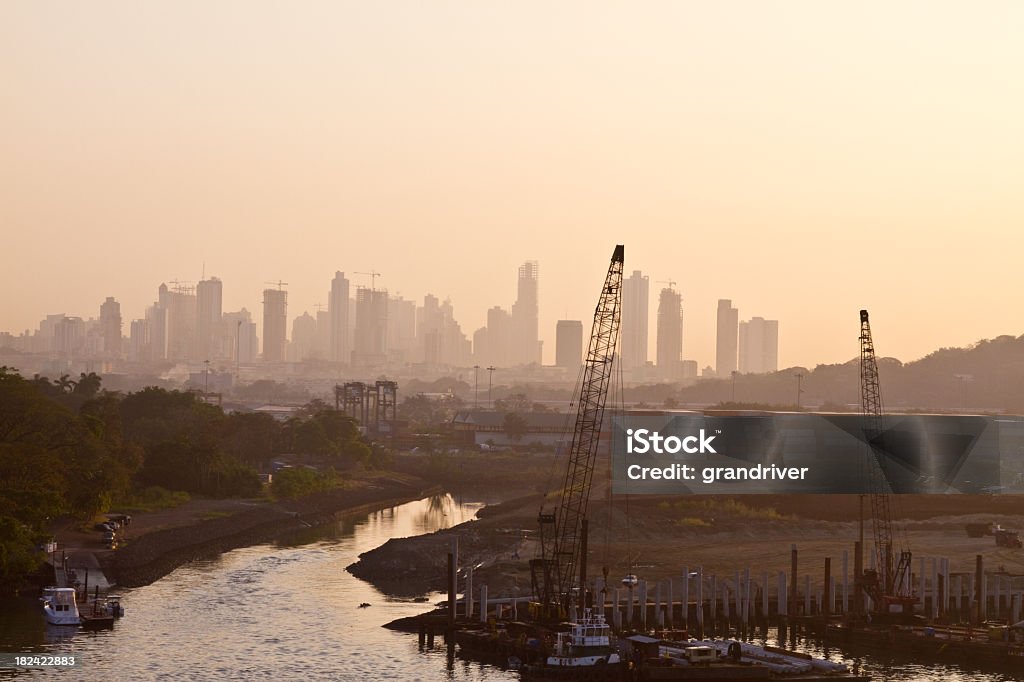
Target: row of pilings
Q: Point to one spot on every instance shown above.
(706, 603)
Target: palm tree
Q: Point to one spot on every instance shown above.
(64, 383)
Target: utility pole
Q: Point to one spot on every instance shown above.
(476, 385)
(490, 375)
(734, 375)
(799, 390)
(206, 385)
(238, 349)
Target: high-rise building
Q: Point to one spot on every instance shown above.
(322, 347)
(243, 343)
(179, 304)
(209, 310)
(635, 303)
(759, 346)
(138, 341)
(526, 344)
(69, 336)
(439, 337)
(492, 345)
(110, 327)
(275, 324)
(303, 337)
(569, 344)
(670, 334)
(401, 330)
(338, 307)
(725, 348)
(371, 339)
(156, 330)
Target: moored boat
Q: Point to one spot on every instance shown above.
(60, 606)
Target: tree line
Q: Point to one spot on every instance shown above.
(70, 448)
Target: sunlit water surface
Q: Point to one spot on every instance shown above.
(274, 612)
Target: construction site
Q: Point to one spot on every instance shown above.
(581, 583)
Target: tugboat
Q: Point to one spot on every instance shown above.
(60, 607)
(584, 652)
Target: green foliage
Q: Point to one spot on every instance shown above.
(300, 481)
(153, 498)
(18, 554)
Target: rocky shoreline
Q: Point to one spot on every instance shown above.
(154, 555)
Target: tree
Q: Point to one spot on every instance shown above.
(87, 385)
(515, 426)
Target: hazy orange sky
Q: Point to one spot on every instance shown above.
(804, 159)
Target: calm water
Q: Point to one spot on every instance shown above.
(275, 612)
(265, 613)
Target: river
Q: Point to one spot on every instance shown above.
(285, 612)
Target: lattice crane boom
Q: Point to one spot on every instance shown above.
(891, 584)
(562, 532)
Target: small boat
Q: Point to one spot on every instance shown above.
(60, 607)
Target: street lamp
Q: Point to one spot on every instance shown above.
(490, 375)
(476, 385)
(206, 384)
(799, 390)
(734, 375)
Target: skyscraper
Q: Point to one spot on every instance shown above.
(635, 302)
(759, 346)
(243, 341)
(725, 352)
(275, 324)
(110, 327)
(526, 345)
(371, 340)
(180, 306)
(303, 337)
(209, 297)
(401, 330)
(337, 306)
(670, 334)
(569, 344)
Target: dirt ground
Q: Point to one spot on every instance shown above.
(656, 538)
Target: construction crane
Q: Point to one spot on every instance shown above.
(889, 583)
(563, 532)
(670, 282)
(373, 275)
(279, 284)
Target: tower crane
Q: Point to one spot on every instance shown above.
(889, 584)
(563, 531)
(373, 275)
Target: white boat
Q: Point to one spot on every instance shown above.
(587, 643)
(60, 607)
(585, 649)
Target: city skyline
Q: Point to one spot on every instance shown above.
(801, 160)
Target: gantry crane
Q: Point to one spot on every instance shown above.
(563, 531)
(889, 584)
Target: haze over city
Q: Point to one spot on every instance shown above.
(801, 159)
